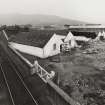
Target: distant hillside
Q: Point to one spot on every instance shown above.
(36, 20)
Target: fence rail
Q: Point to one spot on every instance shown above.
(43, 74)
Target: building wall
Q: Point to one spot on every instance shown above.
(70, 41)
(31, 50)
(48, 49)
(69, 37)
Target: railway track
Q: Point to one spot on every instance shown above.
(33, 85)
(19, 93)
(5, 95)
(12, 100)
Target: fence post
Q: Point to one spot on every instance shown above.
(34, 69)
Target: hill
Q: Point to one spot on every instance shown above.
(11, 19)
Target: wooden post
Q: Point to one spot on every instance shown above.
(34, 69)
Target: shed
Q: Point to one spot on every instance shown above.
(47, 41)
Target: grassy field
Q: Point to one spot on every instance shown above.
(79, 76)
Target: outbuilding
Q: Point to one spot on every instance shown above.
(77, 39)
(42, 44)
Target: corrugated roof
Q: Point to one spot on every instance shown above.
(37, 38)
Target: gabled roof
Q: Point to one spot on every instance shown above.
(103, 33)
(37, 38)
(71, 36)
(86, 34)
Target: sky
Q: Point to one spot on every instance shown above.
(84, 10)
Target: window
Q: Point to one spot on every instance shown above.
(54, 46)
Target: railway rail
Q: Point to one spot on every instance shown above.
(7, 85)
(18, 90)
(5, 94)
(36, 91)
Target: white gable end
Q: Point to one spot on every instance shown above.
(69, 37)
(53, 46)
(103, 34)
(98, 36)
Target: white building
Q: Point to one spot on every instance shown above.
(50, 47)
(101, 35)
(53, 46)
(72, 40)
(98, 36)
